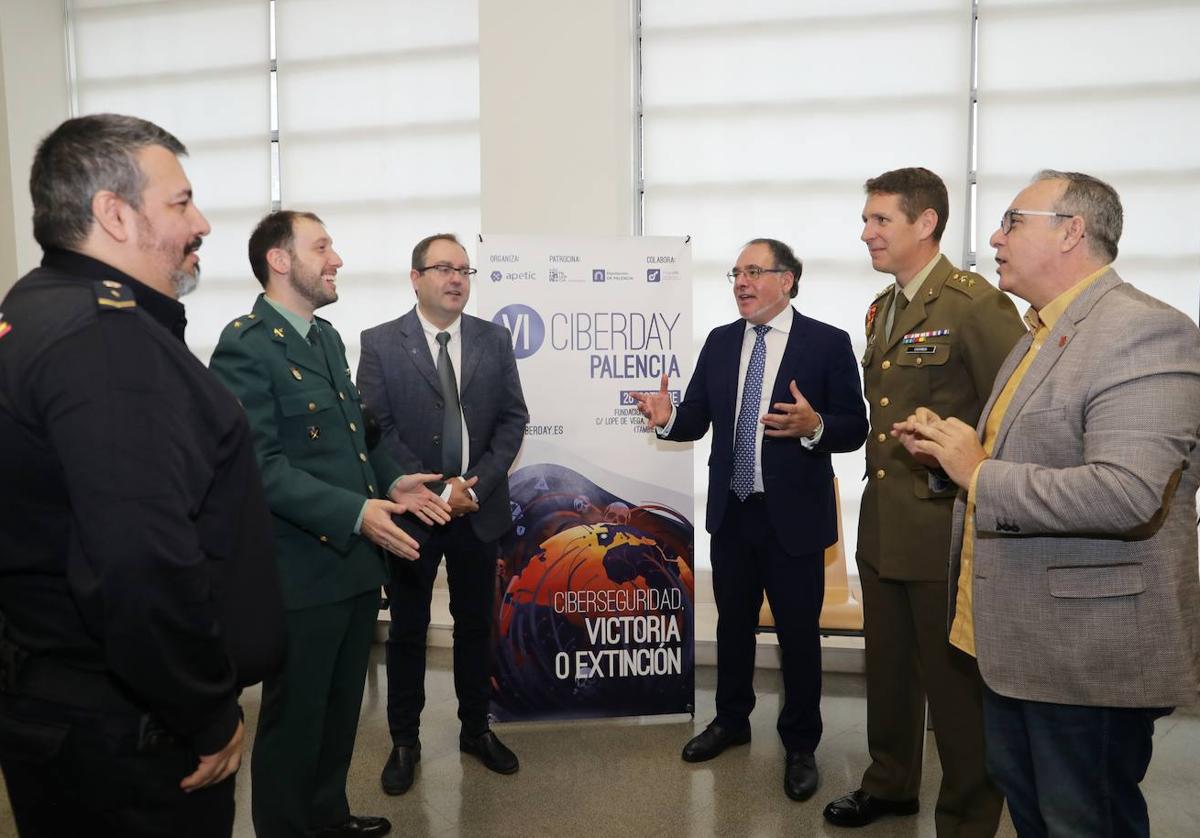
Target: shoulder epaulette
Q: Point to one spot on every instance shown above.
(112, 295)
(968, 282)
(244, 322)
(887, 289)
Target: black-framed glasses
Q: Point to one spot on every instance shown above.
(753, 272)
(1006, 220)
(445, 271)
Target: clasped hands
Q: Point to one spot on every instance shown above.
(949, 443)
(410, 494)
(791, 419)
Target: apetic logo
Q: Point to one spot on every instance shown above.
(598, 274)
(516, 276)
(654, 274)
(526, 327)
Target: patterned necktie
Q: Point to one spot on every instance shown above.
(747, 421)
(452, 417)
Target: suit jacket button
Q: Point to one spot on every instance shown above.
(362, 456)
(882, 437)
(312, 406)
(324, 539)
(885, 401)
(887, 365)
(341, 395)
(437, 438)
(438, 405)
(880, 474)
(353, 426)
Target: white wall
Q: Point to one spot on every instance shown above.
(33, 99)
(556, 116)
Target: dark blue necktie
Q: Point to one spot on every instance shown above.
(747, 421)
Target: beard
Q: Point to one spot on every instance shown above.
(310, 287)
(185, 282)
(181, 280)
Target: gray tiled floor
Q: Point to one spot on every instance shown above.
(625, 778)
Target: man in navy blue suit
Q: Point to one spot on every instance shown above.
(781, 392)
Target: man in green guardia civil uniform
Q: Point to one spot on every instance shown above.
(332, 500)
(936, 337)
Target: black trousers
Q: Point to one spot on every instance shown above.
(747, 560)
(471, 573)
(92, 771)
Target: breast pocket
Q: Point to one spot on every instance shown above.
(309, 421)
(1046, 436)
(920, 365)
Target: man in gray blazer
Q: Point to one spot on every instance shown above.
(445, 389)
(1074, 547)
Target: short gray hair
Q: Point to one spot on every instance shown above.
(1097, 203)
(81, 157)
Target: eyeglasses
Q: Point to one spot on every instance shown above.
(444, 271)
(1006, 220)
(753, 272)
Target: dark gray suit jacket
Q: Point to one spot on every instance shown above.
(398, 381)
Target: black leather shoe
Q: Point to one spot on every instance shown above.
(491, 751)
(712, 741)
(859, 809)
(400, 769)
(356, 827)
(800, 776)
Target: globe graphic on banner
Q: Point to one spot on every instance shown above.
(577, 569)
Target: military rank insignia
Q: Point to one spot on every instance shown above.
(314, 433)
(5, 327)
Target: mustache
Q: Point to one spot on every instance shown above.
(193, 246)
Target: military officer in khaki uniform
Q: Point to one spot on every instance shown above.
(935, 337)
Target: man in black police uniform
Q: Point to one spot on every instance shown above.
(137, 585)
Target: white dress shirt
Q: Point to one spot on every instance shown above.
(454, 347)
(776, 342)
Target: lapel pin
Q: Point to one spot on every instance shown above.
(278, 332)
(1062, 341)
(296, 374)
(314, 433)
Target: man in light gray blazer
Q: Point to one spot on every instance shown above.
(1074, 547)
(445, 390)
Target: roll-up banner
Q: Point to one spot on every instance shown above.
(595, 612)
